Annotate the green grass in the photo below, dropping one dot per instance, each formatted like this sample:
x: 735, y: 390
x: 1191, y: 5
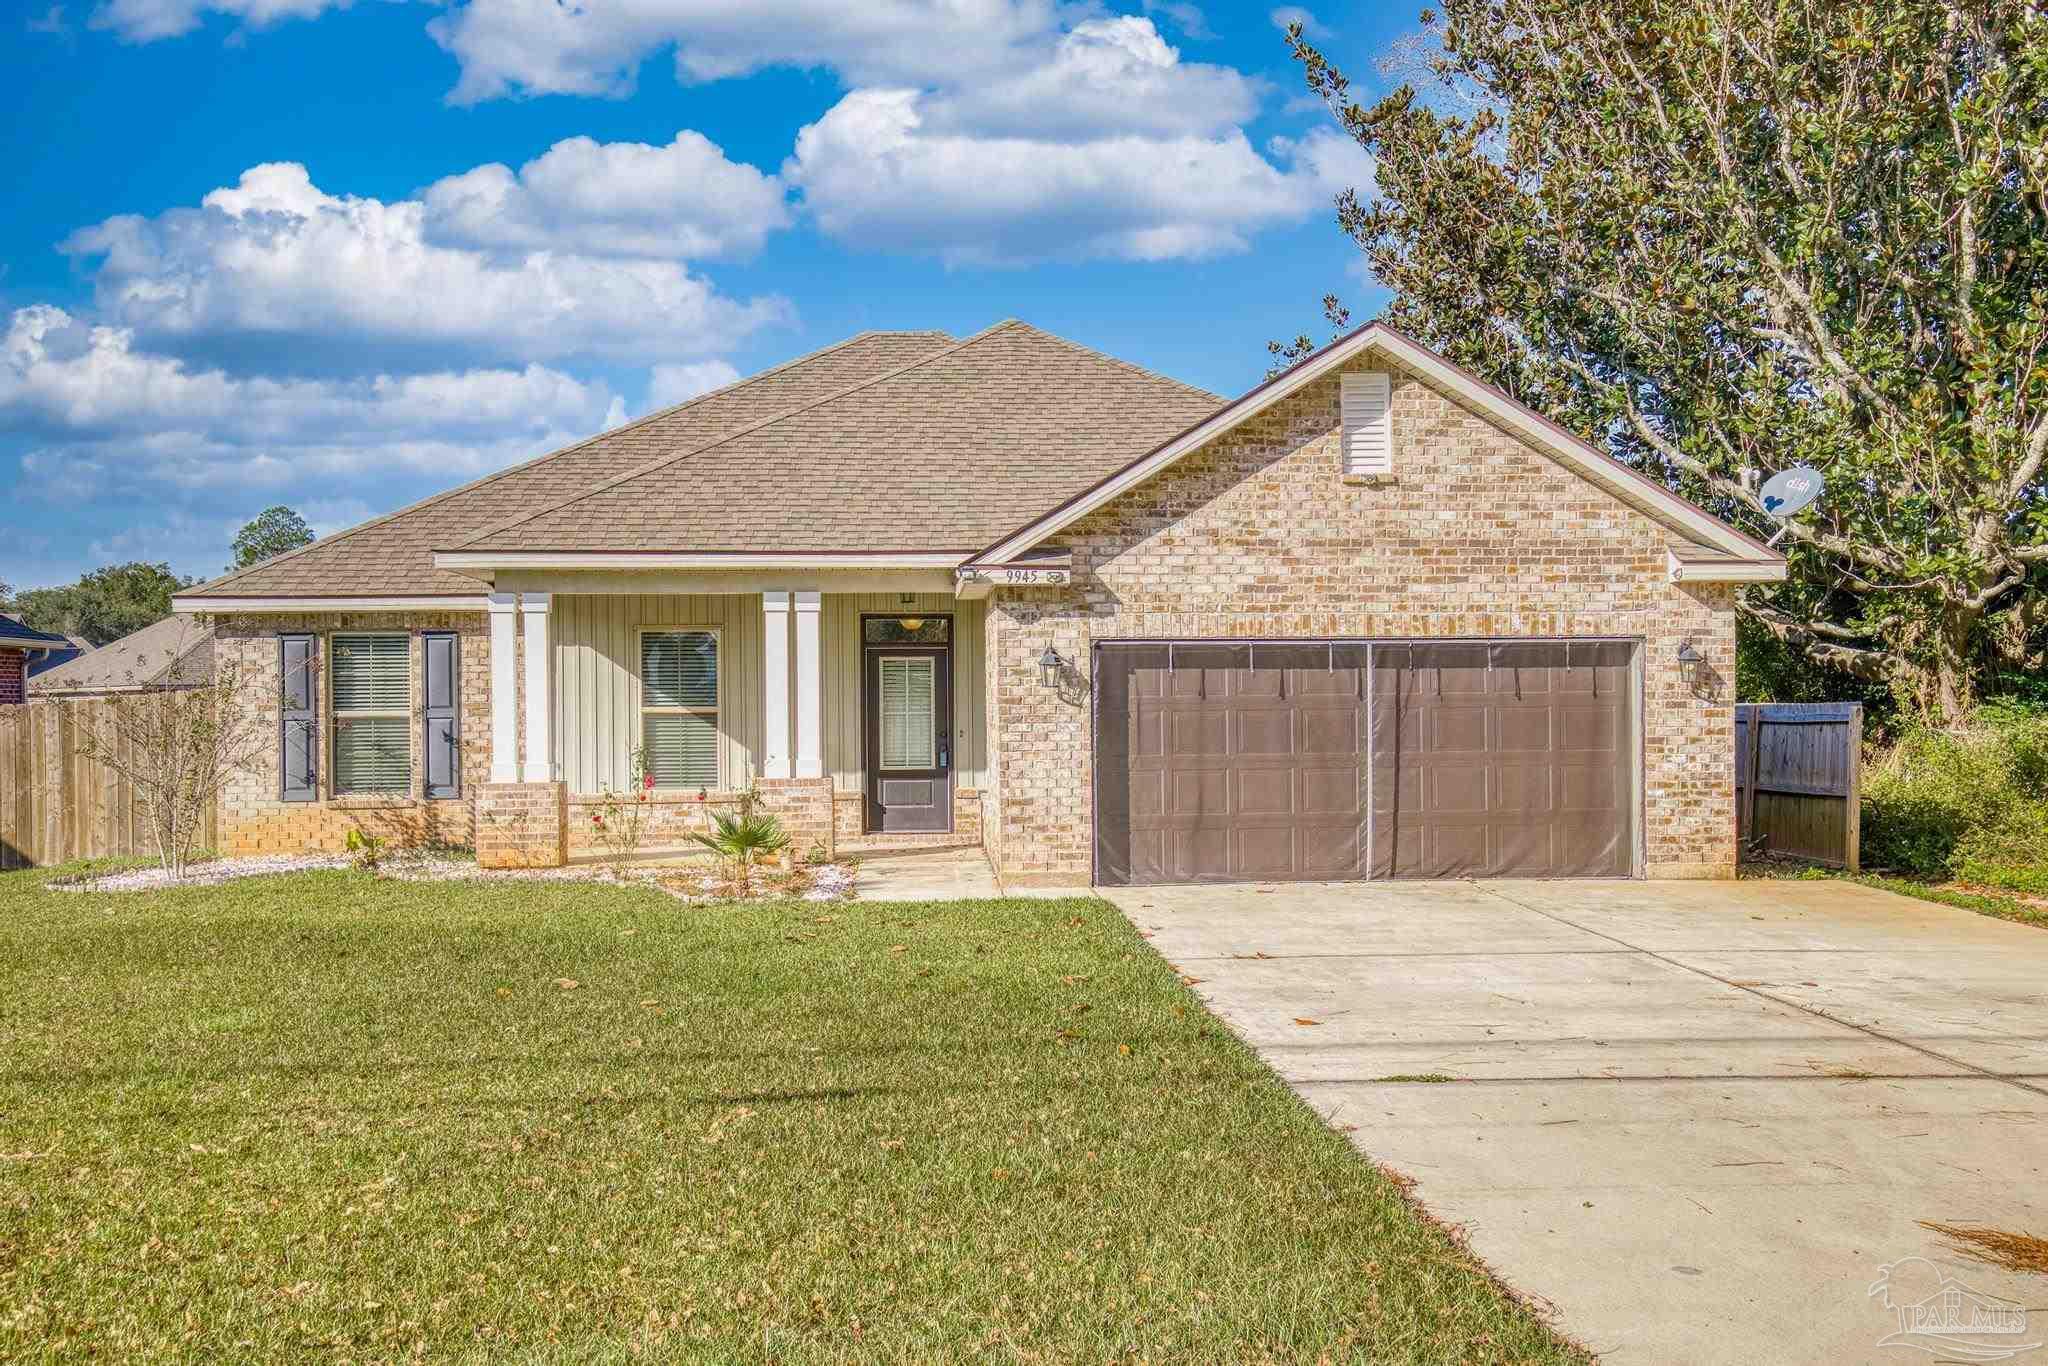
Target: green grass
x: 340, y: 1117
x: 1983, y: 900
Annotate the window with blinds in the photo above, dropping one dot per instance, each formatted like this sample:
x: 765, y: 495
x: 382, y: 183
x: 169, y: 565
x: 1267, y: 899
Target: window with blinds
x: 370, y: 696
x: 679, y: 707
x: 908, y: 704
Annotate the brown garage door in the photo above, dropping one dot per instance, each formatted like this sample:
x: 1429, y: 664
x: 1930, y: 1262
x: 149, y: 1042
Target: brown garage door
x: 1505, y: 759
x: 1224, y: 762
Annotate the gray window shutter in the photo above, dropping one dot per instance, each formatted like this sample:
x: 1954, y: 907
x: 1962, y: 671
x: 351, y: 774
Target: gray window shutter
x: 298, y: 743
x: 442, y: 742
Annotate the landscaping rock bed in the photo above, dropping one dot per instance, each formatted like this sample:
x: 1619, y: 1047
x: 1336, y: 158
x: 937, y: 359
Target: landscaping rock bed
x: 689, y: 882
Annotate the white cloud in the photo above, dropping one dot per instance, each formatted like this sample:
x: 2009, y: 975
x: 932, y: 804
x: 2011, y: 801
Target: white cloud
x: 876, y: 175
x: 548, y: 47
x: 1295, y: 14
x: 103, y: 413
x: 681, y: 201
x: 143, y: 21
x: 276, y: 257
x: 668, y: 385
x: 1105, y: 76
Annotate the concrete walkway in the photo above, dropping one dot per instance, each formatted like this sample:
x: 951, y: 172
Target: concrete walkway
x: 1698, y: 1119
x: 939, y: 875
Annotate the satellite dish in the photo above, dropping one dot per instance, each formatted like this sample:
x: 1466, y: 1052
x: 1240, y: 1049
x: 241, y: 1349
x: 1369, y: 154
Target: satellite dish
x: 1787, y: 491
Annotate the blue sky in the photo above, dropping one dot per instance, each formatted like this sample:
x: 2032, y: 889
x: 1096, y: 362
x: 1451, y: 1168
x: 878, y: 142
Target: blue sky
x: 342, y: 255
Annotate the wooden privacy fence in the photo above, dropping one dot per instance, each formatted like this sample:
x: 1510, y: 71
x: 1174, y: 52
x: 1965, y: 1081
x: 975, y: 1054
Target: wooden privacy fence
x: 1799, y: 779
x: 57, y: 805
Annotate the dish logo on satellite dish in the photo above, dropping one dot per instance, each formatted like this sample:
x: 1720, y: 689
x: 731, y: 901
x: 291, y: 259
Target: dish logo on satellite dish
x: 1790, y: 490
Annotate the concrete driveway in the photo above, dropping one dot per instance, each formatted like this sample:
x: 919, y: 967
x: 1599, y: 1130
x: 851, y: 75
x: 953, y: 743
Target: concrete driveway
x: 1697, y: 1119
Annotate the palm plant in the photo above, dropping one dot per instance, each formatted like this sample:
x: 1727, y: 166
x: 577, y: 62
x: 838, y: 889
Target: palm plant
x: 743, y: 837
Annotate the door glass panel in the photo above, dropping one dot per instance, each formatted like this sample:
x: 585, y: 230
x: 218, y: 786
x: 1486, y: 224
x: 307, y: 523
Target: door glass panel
x: 910, y: 629
x: 907, y: 706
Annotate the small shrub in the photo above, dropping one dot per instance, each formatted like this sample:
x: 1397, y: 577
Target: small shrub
x: 1967, y: 804
x: 364, y: 849
x: 621, y: 817
x: 740, y: 838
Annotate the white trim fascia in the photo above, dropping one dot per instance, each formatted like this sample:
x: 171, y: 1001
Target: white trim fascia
x: 777, y: 755
x: 461, y: 560
x: 1723, y: 571
x: 449, y: 603
x: 1516, y: 417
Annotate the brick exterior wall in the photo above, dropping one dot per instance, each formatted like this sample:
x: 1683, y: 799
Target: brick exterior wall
x: 1258, y: 535
x: 803, y: 805
x: 254, y: 819
x: 13, y: 676
x: 522, y: 825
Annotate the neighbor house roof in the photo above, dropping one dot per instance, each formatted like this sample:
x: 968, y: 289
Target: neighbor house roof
x: 14, y: 633
x: 176, y: 651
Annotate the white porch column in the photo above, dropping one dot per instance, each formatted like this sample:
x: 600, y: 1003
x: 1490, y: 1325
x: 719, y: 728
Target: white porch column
x: 540, y: 702
x: 810, y: 695
x: 775, y: 747
x: 504, y: 689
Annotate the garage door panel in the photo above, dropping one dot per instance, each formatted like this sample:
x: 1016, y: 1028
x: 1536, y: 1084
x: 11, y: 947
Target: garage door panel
x: 1200, y: 791
x: 1525, y: 790
x: 1264, y: 731
x: 1456, y: 729
x: 1326, y: 730
x: 1265, y: 792
x: 1203, y: 731
x: 1327, y: 792
x: 1454, y: 789
x: 1591, y: 728
x: 1200, y: 855
x: 1268, y: 852
x: 1523, y: 727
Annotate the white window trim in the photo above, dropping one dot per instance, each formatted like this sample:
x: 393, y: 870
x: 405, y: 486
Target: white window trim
x: 334, y: 716
x: 638, y: 739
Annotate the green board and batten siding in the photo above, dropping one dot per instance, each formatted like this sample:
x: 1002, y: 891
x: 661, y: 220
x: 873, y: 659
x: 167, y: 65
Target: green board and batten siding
x: 597, y: 679
x: 597, y: 655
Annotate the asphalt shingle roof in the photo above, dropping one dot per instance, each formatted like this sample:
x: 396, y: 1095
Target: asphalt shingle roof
x: 946, y: 453
x: 890, y: 441
x: 14, y: 632
x: 175, y: 650
x: 393, y: 555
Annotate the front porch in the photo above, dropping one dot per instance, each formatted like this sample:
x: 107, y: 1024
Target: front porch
x: 857, y: 717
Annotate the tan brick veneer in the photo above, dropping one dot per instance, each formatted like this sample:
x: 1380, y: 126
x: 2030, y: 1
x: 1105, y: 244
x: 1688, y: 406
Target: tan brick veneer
x: 252, y: 817
x: 1257, y: 535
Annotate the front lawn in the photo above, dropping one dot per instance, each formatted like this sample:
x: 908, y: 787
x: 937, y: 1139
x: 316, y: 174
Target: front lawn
x: 330, y: 1115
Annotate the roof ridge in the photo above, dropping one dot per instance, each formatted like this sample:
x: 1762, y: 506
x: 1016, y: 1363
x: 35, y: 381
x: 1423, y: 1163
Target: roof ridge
x: 477, y: 483
x: 1117, y: 361
x: 673, y: 457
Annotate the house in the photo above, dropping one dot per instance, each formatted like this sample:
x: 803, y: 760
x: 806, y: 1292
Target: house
x: 176, y: 652
x: 22, y: 648
x: 1372, y: 618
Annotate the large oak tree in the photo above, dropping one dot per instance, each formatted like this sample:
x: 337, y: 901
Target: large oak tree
x: 1725, y: 237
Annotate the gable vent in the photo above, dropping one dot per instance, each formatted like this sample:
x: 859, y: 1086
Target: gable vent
x: 1368, y: 424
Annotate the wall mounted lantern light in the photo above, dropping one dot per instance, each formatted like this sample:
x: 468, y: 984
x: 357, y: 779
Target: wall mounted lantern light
x: 1051, y: 667
x: 1689, y: 662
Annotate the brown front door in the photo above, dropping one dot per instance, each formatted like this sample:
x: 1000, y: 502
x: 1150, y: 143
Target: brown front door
x: 909, y: 751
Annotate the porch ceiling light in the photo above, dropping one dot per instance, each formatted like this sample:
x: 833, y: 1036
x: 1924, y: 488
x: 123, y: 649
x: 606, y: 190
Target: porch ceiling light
x: 1050, y: 666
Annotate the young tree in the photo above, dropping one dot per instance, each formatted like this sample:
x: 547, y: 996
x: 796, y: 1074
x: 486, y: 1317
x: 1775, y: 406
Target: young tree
x: 104, y: 605
x: 1726, y: 237
x: 178, y: 746
x: 269, y: 533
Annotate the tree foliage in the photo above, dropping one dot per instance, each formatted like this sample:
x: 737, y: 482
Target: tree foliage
x: 105, y: 604
x: 1725, y: 237
x: 268, y: 534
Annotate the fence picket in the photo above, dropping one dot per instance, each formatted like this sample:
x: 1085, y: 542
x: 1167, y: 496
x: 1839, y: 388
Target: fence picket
x: 55, y: 803
x: 1799, y: 781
